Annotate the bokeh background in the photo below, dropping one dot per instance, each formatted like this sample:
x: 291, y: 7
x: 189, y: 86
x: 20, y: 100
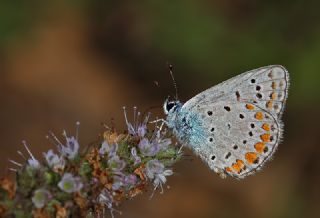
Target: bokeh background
x: 63, y: 61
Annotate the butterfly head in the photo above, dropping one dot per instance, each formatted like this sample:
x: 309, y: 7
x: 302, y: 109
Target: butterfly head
x: 171, y: 106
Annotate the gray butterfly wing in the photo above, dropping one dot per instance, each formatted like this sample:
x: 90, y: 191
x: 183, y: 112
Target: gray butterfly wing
x: 240, y: 120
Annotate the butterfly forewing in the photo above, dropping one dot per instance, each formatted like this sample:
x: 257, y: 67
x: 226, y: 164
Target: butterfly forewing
x: 240, y: 119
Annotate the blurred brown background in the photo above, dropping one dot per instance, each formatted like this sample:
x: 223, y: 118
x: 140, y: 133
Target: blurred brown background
x: 63, y: 61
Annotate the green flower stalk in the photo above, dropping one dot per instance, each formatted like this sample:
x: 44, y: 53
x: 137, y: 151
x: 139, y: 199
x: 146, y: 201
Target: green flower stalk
x: 94, y: 182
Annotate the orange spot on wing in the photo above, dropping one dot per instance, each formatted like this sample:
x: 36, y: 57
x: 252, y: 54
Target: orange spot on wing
x: 249, y: 106
x: 274, y: 85
x: 266, y: 127
x: 265, y: 137
x: 273, y: 96
x: 269, y: 104
x: 259, y: 147
x: 228, y: 169
x: 259, y: 115
x: 251, y: 157
x: 238, y: 166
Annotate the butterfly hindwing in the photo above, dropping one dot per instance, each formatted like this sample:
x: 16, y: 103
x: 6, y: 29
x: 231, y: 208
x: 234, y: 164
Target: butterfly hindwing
x: 238, y: 140
x: 240, y: 120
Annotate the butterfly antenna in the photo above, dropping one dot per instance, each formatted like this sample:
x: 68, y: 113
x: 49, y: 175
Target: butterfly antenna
x: 173, y: 80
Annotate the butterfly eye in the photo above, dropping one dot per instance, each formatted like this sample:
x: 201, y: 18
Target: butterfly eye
x: 170, y: 105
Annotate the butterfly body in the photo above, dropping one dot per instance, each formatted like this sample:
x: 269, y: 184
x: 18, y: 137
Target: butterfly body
x: 235, y: 126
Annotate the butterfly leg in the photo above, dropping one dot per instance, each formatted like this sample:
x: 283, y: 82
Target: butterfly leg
x: 180, y: 149
x: 159, y: 120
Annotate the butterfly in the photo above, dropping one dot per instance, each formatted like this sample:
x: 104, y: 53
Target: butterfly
x: 235, y: 126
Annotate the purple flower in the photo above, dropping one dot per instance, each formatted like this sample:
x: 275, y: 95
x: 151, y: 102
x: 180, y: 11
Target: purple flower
x: 122, y: 180
x: 164, y: 143
x: 137, y: 128
x: 154, y: 167
x: 116, y: 164
x: 54, y: 160
x: 70, y: 183
x: 151, y: 148
x: 148, y: 148
x: 161, y: 179
x: 40, y: 197
x: 105, y: 198
x: 135, y: 156
x: 156, y: 171
x: 118, y: 181
x: 142, y: 128
x: 32, y: 161
x: 110, y: 149
x: 130, y: 180
x: 71, y: 149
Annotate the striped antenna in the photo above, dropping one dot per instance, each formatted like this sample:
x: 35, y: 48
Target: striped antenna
x: 173, y: 80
